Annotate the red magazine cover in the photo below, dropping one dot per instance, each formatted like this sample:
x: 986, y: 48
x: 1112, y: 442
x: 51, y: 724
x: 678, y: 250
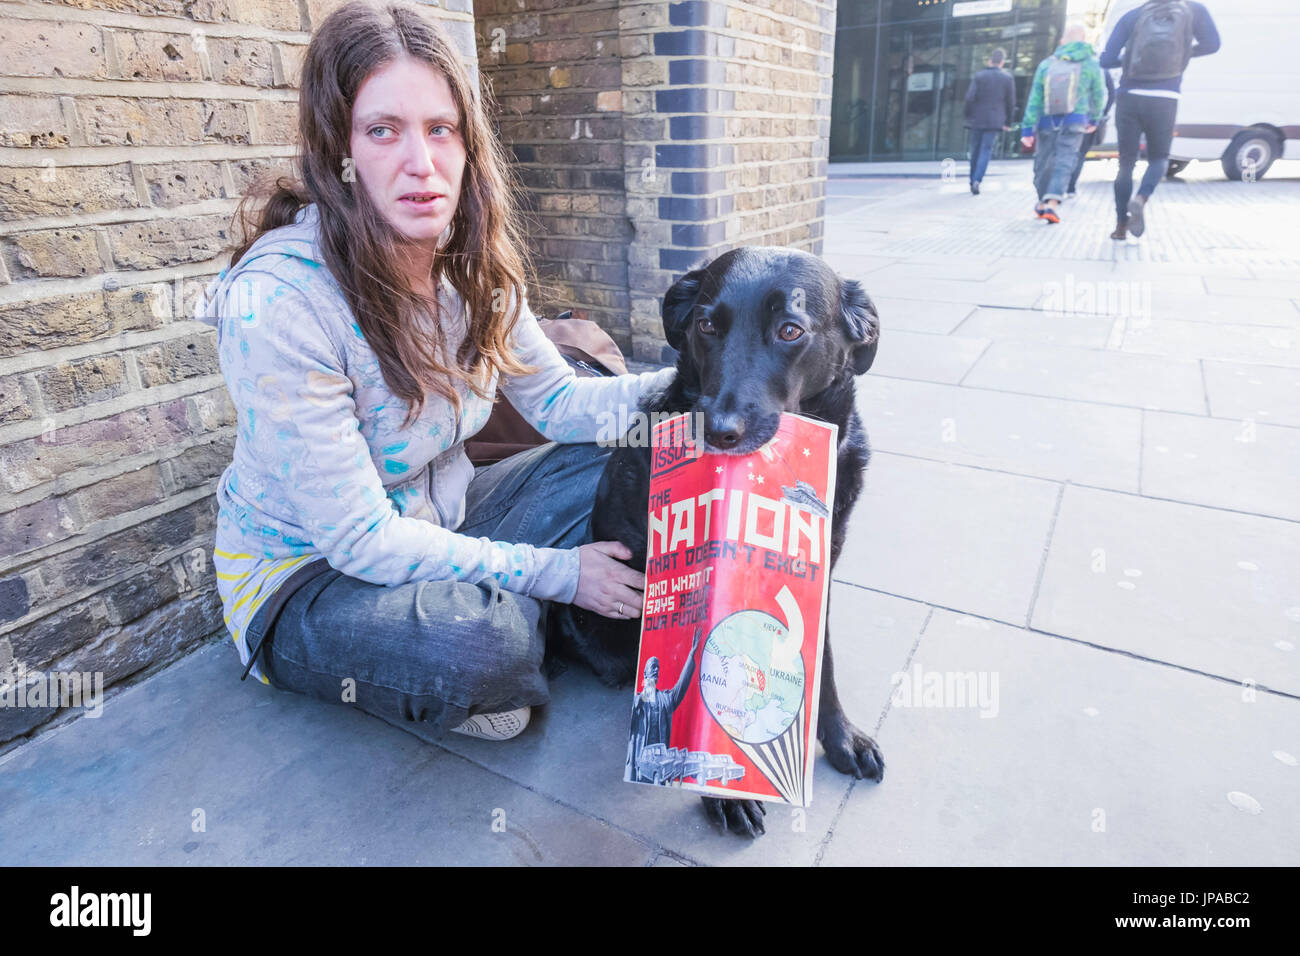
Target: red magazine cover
x: 735, y: 610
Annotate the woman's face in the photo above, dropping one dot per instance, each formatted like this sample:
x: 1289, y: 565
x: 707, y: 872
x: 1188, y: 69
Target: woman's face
x: 407, y: 145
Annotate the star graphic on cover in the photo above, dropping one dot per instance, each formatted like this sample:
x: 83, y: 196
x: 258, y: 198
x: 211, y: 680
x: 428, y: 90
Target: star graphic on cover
x: 760, y: 479
x: 718, y: 469
x: 751, y: 476
x: 806, y: 453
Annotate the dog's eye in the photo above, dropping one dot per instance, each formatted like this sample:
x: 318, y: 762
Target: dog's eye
x: 789, y: 332
x: 705, y: 325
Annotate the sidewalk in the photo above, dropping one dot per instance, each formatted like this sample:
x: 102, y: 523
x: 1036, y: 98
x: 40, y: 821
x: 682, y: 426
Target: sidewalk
x: 1082, y: 495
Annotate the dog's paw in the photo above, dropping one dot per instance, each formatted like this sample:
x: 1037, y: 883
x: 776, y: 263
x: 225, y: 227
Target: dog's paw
x: 736, y: 816
x: 852, y: 752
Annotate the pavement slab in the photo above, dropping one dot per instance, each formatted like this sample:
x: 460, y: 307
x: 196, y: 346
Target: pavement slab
x: 1213, y: 591
x: 1025, y: 435
x: 1240, y: 466
x: 917, y: 315
x: 950, y: 535
x: 1108, y: 377
x: 1253, y: 392
x: 1063, y: 769
x: 930, y: 358
x: 1045, y: 328
x: 1176, y: 338
x: 278, y: 779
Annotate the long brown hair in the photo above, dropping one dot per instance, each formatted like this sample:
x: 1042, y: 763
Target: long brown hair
x: 485, y: 257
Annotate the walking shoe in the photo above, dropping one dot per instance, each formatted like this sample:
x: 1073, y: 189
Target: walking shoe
x: 499, y: 726
x: 975, y: 189
x: 1136, y: 224
x: 1121, y: 231
x: 1050, y: 214
x: 1070, y: 195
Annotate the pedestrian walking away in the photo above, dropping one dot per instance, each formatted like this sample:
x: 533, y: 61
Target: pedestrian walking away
x: 1066, y: 100
x: 1153, y: 44
x: 989, y: 109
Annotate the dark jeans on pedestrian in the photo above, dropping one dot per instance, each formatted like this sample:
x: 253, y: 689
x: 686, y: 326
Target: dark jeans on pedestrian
x: 425, y: 655
x: 1136, y: 114
x: 1056, y: 151
x: 982, y: 142
x: 1084, y: 146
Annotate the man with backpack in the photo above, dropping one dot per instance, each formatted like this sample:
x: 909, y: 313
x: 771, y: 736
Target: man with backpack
x: 990, y: 105
x: 1065, y: 102
x: 1153, y: 43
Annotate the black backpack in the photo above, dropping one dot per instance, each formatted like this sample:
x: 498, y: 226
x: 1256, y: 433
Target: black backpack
x: 1161, y: 44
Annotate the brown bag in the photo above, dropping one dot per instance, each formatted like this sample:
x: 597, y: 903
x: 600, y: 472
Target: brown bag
x: 586, y: 347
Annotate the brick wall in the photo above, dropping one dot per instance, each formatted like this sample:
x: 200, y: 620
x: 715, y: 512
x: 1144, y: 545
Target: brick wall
x: 556, y: 74
x: 719, y: 110
x: 128, y: 131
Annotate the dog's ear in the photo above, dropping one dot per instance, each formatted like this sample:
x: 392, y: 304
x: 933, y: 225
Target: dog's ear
x: 861, y: 321
x: 678, y: 304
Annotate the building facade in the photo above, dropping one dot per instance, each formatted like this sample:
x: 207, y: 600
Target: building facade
x: 902, y: 68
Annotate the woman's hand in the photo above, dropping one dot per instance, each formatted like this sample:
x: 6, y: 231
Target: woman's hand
x: 607, y: 586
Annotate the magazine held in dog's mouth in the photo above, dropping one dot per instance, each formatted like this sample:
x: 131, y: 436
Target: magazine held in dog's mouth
x: 737, y: 583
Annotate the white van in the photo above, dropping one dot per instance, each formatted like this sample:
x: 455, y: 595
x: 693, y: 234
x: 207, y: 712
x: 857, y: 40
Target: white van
x: 1240, y: 105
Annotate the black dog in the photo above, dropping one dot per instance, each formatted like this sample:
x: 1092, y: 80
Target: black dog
x: 759, y: 331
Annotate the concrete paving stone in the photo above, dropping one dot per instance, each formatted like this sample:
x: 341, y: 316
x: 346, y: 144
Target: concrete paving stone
x: 1195, y: 340
x: 916, y: 315
x: 1218, y: 309
x: 1124, y: 269
x: 854, y: 266
x: 1053, y: 270
x: 1270, y: 288
x: 1092, y: 759
x: 1029, y: 325
x: 1243, y: 466
x: 940, y: 267
x: 280, y: 779
x: 1088, y: 375
x: 1012, y: 292
x: 1259, y: 392
x: 1214, y: 591
x: 1027, y: 435
x: 949, y: 535
x: 931, y: 358
x: 575, y: 749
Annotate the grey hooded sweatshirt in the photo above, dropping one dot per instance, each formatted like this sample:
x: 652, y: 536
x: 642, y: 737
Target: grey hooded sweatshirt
x: 322, y: 466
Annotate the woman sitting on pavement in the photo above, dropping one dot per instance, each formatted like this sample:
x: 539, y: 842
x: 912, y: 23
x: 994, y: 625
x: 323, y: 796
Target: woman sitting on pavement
x: 364, y: 331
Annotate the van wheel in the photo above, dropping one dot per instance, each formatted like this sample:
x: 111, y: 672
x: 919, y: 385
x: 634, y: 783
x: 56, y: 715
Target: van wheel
x: 1176, y: 166
x: 1251, y: 150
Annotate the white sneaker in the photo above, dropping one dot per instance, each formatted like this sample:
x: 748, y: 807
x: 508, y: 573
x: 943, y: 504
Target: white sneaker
x: 501, y: 726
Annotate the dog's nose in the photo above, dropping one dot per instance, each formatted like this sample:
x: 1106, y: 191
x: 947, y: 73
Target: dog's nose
x: 724, y: 430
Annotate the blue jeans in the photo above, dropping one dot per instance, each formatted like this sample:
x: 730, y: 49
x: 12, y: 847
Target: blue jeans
x: 425, y: 655
x: 981, y: 148
x: 1056, y: 152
